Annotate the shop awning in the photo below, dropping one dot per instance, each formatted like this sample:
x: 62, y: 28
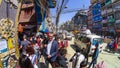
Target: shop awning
x: 97, y: 27
x: 117, y: 22
x: 104, y: 21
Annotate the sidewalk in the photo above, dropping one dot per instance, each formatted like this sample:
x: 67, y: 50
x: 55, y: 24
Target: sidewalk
x: 70, y: 52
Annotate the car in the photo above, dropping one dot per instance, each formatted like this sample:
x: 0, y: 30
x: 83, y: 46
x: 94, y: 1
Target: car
x: 82, y: 41
x: 68, y: 36
x: 94, y: 39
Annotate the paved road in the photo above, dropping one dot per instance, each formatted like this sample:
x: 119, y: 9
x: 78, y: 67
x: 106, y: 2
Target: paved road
x: 111, y: 60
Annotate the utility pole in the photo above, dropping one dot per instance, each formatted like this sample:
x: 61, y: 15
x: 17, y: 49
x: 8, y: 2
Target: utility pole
x: 58, y: 15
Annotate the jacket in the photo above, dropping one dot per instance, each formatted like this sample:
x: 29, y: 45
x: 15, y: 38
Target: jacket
x: 53, y: 51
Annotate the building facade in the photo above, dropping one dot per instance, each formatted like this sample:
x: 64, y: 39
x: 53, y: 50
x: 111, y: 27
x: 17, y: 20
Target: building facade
x: 90, y: 23
x: 80, y: 19
x: 107, y: 16
x: 33, y: 16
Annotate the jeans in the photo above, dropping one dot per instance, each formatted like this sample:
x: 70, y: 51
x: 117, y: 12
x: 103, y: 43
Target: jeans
x: 94, y: 61
x: 47, y: 61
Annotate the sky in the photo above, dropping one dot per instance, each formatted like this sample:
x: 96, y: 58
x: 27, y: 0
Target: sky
x: 72, y: 4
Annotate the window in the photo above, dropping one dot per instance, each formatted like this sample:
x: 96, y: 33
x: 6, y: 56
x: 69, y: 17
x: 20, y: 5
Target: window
x: 103, y: 4
x: 105, y: 24
x: 110, y: 16
x: 108, y: 1
x: 117, y: 15
x: 95, y: 40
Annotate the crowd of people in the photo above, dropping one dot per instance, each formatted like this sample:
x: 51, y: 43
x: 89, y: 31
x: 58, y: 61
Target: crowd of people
x: 48, y: 45
x: 54, y: 50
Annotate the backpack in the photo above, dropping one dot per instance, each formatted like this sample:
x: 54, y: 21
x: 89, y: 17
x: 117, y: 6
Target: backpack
x: 100, y: 65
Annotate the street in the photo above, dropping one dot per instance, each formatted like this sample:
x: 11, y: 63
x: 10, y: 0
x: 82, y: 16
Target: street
x: 111, y: 60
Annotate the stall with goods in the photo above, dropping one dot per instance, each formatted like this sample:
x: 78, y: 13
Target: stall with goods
x: 9, y: 52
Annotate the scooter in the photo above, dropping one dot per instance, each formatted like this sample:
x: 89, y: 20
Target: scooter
x: 110, y: 47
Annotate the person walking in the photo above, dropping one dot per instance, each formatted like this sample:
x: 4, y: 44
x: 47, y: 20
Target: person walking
x: 24, y: 62
x: 77, y: 59
x: 95, y: 56
x: 24, y: 45
x: 32, y: 56
x: 51, y: 51
x: 88, y: 48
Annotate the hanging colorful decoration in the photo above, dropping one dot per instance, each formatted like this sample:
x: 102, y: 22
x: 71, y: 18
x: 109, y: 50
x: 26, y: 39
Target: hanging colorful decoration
x: 7, y: 29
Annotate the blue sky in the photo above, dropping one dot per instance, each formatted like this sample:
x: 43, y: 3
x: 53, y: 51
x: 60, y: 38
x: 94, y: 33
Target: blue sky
x: 72, y: 4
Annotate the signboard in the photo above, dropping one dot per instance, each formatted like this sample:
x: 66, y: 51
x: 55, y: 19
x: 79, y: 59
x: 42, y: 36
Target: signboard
x: 3, y: 46
x: 96, y: 12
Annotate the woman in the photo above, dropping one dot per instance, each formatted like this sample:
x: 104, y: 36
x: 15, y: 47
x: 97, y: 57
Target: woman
x: 32, y: 56
x: 25, y: 62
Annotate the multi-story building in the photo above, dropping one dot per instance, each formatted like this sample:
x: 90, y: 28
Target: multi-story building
x: 27, y: 17
x: 80, y: 19
x: 116, y: 7
x: 109, y: 10
x: 90, y: 23
x: 32, y: 15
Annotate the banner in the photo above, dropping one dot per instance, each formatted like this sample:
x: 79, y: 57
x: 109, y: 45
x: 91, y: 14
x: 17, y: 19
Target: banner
x: 43, y: 27
x: 40, y: 11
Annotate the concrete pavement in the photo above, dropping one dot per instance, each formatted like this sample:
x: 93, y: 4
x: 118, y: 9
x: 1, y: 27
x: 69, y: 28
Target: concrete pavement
x: 111, y: 60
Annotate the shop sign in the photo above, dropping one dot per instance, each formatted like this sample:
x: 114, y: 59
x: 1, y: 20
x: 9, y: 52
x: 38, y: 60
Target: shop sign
x: 3, y: 46
x: 111, y: 20
x: 108, y: 2
x: 117, y: 22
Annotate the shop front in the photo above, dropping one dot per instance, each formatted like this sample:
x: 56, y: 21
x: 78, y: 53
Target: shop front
x: 97, y: 29
x: 117, y: 27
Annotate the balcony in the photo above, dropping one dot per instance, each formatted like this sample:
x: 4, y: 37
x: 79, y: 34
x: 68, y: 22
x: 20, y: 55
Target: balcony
x: 117, y: 22
x: 104, y: 28
x: 110, y: 10
x: 104, y: 12
x: 114, y: 1
x: 108, y: 2
x: 101, y: 1
x: 117, y: 15
x: 104, y: 21
x: 111, y: 20
x: 25, y: 6
x: 116, y: 9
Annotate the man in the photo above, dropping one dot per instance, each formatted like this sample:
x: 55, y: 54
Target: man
x: 95, y: 56
x: 51, y: 50
x: 88, y: 49
x: 77, y: 59
x: 24, y: 44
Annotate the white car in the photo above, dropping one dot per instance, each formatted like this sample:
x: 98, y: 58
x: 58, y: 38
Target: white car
x: 69, y: 36
x: 94, y: 39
